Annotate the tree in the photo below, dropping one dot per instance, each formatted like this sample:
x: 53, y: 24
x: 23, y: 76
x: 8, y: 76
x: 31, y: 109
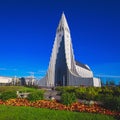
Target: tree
x: 23, y: 81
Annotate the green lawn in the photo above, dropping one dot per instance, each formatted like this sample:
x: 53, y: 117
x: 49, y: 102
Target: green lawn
x: 29, y: 113
x: 16, y: 88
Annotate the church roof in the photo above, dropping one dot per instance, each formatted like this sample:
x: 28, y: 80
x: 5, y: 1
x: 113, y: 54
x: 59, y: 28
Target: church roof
x: 81, y: 65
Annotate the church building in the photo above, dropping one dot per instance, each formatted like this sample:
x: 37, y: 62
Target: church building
x: 63, y: 69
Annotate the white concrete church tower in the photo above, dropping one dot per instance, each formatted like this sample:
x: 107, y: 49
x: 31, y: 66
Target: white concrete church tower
x: 63, y: 70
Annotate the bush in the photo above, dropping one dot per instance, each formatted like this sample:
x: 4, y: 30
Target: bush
x: 87, y: 93
x: 80, y: 92
x: 68, y: 98
x: 8, y: 95
x: 116, y: 91
x: 99, y: 97
x: 64, y: 89
x: 106, y: 91
x: 38, y: 95
x: 112, y: 102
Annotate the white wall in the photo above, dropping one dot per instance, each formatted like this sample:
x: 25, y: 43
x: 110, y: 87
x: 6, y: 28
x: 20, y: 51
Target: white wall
x: 5, y: 79
x: 96, y: 82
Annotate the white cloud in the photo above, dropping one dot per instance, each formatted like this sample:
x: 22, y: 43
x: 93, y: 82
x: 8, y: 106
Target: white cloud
x: 31, y: 73
x: 14, y: 69
x: 109, y: 76
x: 41, y: 72
x: 37, y: 72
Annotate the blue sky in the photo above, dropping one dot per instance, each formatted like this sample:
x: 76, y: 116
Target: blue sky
x: 28, y: 28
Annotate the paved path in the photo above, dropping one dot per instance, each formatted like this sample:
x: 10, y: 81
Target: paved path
x: 51, y: 93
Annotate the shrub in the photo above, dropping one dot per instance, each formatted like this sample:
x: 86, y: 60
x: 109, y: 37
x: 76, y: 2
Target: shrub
x: 68, y: 98
x: 106, y: 91
x: 112, y: 102
x: 116, y: 91
x: 88, y: 93
x: 38, y: 95
x: 64, y: 89
x: 8, y: 95
x: 99, y: 97
x: 80, y: 92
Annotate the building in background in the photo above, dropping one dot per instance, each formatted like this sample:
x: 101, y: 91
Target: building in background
x: 63, y: 69
x: 29, y: 81
x: 15, y: 81
x: 5, y: 80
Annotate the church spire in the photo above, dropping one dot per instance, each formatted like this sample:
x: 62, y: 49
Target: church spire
x: 63, y: 23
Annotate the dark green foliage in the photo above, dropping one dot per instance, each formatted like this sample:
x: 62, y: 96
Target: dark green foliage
x: 91, y: 93
x: 64, y: 89
x: 37, y: 95
x: 112, y: 102
x: 116, y: 91
x: 99, y: 97
x: 88, y: 93
x: 68, y: 98
x: 107, y: 90
x: 108, y: 95
x: 110, y: 83
x: 80, y: 92
x: 8, y: 95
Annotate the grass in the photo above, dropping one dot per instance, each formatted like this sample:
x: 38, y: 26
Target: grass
x: 29, y: 113
x: 16, y: 88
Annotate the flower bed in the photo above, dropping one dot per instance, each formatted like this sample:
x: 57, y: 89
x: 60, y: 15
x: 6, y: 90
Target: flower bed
x: 77, y: 106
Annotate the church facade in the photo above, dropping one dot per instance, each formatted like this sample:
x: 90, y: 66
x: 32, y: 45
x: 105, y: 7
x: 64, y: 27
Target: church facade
x: 63, y: 69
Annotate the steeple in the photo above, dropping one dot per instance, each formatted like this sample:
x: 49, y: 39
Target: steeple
x: 63, y: 23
